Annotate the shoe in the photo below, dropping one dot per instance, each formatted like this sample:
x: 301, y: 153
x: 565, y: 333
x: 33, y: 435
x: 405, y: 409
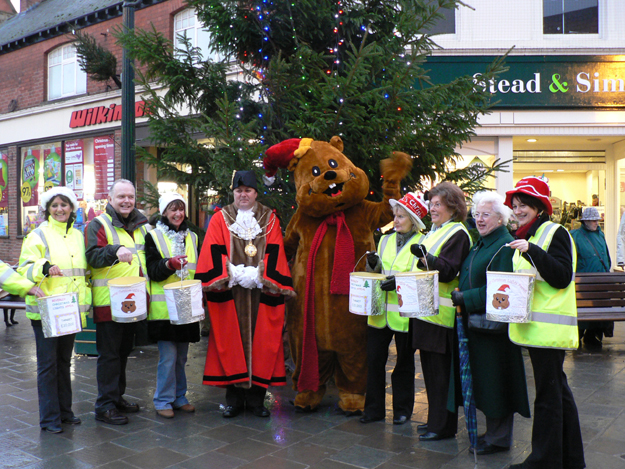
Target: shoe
x: 13, y: 321
x: 400, y: 420
x: 487, y: 448
x: 366, y: 419
x: 73, y: 420
x: 261, y: 411
x: 112, y: 417
x: 422, y: 428
x: 231, y: 411
x: 127, y: 407
x: 186, y: 408
x: 52, y: 429
x: 165, y: 413
x: 431, y: 436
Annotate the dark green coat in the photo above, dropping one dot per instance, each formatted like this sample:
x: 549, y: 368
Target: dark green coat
x: 496, y: 363
x: 589, y: 244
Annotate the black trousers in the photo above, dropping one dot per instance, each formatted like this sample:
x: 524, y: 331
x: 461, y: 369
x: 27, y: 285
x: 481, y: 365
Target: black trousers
x: 402, y: 378
x: 556, y: 435
x: 239, y: 397
x: 436, y: 369
x: 114, y: 342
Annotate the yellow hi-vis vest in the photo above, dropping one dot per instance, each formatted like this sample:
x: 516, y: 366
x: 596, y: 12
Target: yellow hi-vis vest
x: 114, y: 235
x: 434, y: 243
x: 394, y: 262
x: 13, y: 282
x: 53, y: 242
x: 554, y: 310
x: 158, y: 305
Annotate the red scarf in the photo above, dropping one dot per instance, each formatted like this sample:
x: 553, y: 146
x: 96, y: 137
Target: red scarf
x: 523, y: 230
x: 344, y: 262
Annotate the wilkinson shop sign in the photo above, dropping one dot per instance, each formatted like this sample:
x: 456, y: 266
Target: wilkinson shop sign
x: 542, y: 81
x: 102, y: 115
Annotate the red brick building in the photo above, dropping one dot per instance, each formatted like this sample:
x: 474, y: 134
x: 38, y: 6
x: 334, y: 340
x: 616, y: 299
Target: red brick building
x: 57, y: 126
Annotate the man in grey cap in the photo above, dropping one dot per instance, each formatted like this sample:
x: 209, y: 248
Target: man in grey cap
x: 592, y: 256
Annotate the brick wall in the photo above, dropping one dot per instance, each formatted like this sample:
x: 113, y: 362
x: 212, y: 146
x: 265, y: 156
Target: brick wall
x: 23, y: 73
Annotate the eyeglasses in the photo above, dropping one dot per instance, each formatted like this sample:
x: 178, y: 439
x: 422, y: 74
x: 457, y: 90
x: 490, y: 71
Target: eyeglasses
x: 436, y: 205
x: 482, y: 215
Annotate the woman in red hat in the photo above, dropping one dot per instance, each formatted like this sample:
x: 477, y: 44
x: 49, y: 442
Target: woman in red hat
x: 547, y: 249
x: 394, y: 256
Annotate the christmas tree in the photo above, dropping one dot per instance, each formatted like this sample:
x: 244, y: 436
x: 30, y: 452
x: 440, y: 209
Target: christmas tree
x: 309, y: 69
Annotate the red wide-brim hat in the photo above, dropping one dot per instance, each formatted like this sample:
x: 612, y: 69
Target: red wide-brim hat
x: 532, y: 186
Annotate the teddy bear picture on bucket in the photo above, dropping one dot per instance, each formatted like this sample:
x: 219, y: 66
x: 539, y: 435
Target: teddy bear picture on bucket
x: 329, y: 233
x: 501, y: 300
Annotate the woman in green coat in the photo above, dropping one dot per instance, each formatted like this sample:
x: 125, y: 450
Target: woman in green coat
x: 496, y: 363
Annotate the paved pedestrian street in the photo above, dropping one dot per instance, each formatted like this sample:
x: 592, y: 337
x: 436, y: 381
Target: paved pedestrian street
x: 288, y: 440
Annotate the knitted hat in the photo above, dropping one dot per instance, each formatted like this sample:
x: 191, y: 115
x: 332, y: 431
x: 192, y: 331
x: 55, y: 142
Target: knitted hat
x: 536, y: 187
x: 50, y: 194
x: 167, y: 199
x: 416, y: 207
x: 590, y: 214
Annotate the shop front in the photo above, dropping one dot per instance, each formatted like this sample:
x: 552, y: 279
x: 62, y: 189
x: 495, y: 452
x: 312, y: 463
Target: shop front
x: 558, y: 116
x: 76, y: 144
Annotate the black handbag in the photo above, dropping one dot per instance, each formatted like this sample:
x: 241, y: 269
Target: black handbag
x: 478, y: 322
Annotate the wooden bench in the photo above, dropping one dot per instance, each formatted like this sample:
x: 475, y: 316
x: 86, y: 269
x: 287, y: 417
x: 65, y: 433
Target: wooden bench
x: 600, y: 296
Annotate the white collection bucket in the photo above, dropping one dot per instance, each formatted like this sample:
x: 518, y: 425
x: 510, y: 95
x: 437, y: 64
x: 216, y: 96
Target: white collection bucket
x: 417, y: 293
x: 509, y: 296
x: 366, y: 298
x: 60, y: 314
x: 128, y: 299
x: 184, y: 301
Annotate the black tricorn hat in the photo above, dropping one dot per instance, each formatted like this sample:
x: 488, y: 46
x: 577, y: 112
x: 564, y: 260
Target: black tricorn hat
x: 244, y: 178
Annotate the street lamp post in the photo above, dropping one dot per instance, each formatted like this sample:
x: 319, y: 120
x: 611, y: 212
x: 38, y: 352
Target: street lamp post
x: 128, y: 99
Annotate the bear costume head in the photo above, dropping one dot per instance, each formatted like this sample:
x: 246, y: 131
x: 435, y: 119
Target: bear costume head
x: 325, y: 179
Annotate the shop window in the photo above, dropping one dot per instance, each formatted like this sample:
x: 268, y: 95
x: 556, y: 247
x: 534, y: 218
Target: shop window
x: 187, y: 25
x: 4, y: 193
x: 570, y: 16
x: 87, y: 166
x: 65, y: 77
x: 444, y: 25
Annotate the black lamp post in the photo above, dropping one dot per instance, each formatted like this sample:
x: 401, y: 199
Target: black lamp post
x: 128, y: 99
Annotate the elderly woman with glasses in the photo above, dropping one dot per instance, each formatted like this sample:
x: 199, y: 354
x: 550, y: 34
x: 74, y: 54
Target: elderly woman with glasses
x: 444, y: 249
x: 496, y: 363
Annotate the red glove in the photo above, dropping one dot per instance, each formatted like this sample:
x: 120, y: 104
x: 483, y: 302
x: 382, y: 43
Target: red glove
x: 176, y: 263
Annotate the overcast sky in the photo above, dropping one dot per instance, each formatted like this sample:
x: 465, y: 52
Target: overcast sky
x: 16, y: 4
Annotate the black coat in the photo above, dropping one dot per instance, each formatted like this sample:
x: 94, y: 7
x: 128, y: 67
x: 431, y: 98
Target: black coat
x: 158, y: 271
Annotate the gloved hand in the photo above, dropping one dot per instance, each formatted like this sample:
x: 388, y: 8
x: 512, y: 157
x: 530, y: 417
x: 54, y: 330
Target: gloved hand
x: 177, y: 262
x: 457, y: 298
x: 418, y: 250
x: 249, y: 277
x: 374, y: 263
x: 388, y: 284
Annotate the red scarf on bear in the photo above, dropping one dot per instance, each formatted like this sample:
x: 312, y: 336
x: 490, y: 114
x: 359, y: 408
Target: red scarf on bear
x: 344, y: 262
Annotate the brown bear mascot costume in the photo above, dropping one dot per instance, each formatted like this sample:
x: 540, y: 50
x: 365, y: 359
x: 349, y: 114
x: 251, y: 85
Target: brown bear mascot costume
x: 331, y: 230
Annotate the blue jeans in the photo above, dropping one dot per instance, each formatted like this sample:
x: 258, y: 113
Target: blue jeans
x: 171, y: 379
x: 54, y: 384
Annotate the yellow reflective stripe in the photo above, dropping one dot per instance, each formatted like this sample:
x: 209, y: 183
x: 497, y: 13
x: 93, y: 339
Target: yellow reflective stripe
x: 40, y: 233
x: 139, y: 247
x: 114, y: 236
x: 191, y: 266
x: 5, y: 276
x: 157, y: 297
x: 443, y: 239
x: 74, y: 272
x: 548, y: 318
x: 32, y: 309
x: 394, y: 307
x: 442, y: 301
x: 160, y: 239
x: 100, y: 282
x: 29, y: 273
x: 84, y: 308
